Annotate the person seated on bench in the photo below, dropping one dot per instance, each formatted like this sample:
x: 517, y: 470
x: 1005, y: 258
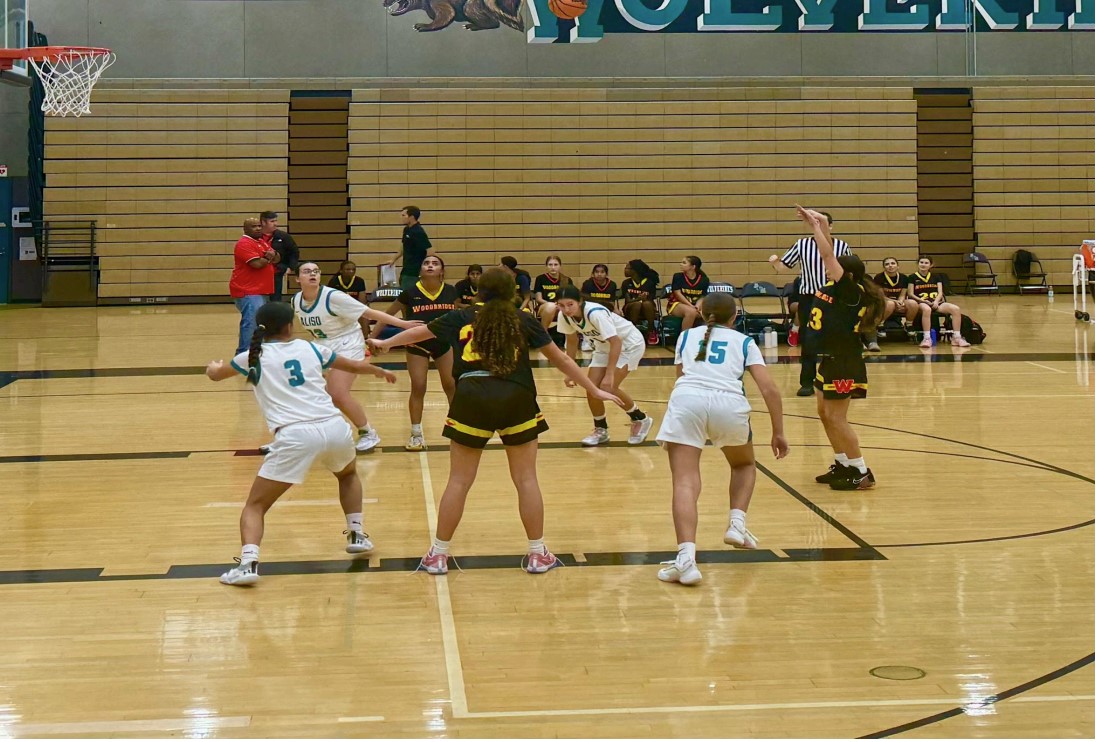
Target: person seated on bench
x: 600, y: 289
x: 639, y: 292
x: 894, y: 285
x: 926, y: 296
x: 689, y: 286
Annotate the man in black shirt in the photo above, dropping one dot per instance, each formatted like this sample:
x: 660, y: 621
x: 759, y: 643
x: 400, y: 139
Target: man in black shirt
x: 280, y: 242
x: 416, y: 248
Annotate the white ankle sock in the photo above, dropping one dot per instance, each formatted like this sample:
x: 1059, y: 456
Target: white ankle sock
x: 367, y: 430
x: 738, y: 518
x: 841, y: 459
x: 441, y: 547
x: 416, y: 429
x: 354, y: 522
x: 536, y: 546
x: 249, y: 553
x: 686, y: 552
x: 859, y: 465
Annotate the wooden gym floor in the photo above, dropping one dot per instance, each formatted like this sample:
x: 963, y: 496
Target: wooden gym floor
x: 971, y: 562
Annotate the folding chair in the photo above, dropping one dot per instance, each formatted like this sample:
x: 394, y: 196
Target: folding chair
x: 1033, y: 279
x: 669, y: 326
x: 979, y: 278
x: 753, y: 323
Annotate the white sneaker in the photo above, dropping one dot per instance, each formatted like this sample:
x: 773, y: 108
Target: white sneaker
x: 358, y: 542
x: 596, y: 438
x: 639, y: 431
x: 367, y: 442
x: 244, y: 573
x: 415, y: 443
x: 686, y: 574
x: 739, y: 538
x: 587, y: 345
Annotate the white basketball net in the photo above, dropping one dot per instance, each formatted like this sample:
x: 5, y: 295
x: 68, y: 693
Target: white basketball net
x: 68, y: 78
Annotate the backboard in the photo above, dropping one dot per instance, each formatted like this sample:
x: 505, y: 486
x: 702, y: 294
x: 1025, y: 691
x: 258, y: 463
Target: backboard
x: 13, y: 35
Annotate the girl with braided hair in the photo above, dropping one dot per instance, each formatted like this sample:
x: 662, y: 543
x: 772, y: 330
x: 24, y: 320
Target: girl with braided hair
x: 709, y: 403
x: 288, y: 379
x: 495, y: 394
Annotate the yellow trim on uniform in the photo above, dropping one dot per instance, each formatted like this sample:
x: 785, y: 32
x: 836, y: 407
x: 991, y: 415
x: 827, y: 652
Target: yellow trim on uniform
x: 427, y: 294
x: 832, y: 388
x: 468, y: 429
x: 522, y: 427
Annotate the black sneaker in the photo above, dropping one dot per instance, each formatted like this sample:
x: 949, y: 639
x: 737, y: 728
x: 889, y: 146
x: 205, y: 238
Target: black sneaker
x: 836, y: 471
x: 805, y: 391
x: 854, y: 480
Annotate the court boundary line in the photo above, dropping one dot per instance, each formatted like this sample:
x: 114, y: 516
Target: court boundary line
x: 8, y: 377
x: 816, y: 509
x: 454, y: 667
x: 987, y: 701
x: 792, y: 705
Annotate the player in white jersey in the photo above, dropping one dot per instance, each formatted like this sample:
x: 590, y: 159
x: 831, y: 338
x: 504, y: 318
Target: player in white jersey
x: 618, y: 349
x: 340, y: 322
x: 709, y: 403
x: 288, y: 377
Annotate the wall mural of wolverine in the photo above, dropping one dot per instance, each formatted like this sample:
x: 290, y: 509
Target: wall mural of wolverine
x: 477, y: 15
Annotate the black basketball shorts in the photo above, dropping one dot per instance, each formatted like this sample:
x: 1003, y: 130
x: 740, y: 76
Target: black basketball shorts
x: 842, y: 377
x: 485, y: 405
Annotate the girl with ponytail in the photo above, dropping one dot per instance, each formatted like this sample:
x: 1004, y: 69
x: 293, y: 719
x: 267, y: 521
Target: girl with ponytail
x: 495, y: 394
x: 709, y: 403
x: 287, y: 377
x: 841, y: 308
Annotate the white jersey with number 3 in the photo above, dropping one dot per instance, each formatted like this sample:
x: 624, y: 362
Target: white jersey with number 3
x: 726, y: 357
x: 291, y: 387
x: 333, y: 314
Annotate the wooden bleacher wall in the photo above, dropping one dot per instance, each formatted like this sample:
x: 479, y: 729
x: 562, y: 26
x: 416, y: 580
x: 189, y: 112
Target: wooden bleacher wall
x: 169, y: 175
x: 593, y: 174
x: 1033, y: 175
x: 607, y: 175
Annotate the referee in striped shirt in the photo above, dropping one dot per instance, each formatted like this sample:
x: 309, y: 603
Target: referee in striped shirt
x: 805, y: 252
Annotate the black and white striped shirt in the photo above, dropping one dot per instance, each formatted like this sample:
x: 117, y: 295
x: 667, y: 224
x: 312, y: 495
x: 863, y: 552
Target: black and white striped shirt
x: 805, y: 251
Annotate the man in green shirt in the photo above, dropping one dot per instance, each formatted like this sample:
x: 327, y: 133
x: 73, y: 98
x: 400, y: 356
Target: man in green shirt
x: 416, y: 248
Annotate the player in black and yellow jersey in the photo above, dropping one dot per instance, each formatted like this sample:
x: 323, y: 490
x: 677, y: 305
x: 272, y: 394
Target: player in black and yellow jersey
x: 495, y: 394
x: 639, y: 293
x: 546, y: 288
x: 850, y: 299
x: 893, y: 283
x: 600, y: 289
x: 468, y: 287
x: 428, y: 299
x: 926, y: 295
x: 689, y: 287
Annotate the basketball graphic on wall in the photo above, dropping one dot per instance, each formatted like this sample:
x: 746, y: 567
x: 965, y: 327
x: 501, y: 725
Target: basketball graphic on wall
x: 567, y: 9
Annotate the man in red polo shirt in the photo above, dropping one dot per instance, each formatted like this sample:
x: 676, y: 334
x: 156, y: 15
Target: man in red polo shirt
x: 252, y: 278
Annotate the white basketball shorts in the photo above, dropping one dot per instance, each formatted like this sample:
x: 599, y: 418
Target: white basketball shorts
x: 297, y: 445
x: 696, y: 416
x: 348, y: 346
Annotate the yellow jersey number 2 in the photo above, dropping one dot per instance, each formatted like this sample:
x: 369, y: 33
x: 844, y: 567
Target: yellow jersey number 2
x: 468, y: 353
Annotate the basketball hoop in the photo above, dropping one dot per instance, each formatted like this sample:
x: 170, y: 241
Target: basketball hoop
x: 68, y: 73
